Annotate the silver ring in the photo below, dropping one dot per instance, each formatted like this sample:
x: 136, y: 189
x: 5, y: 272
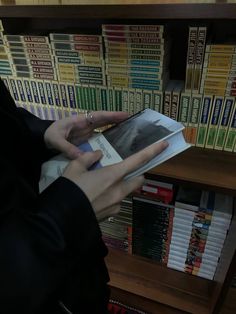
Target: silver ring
x: 89, y: 117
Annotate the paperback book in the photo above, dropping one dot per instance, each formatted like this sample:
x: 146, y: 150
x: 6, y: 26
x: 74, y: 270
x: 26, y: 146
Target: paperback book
x: 125, y: 139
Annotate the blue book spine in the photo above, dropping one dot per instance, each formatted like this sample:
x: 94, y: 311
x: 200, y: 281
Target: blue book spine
x: 42, y: 93
x: 63, y: 95
x: 21, y: 90
x: 28, y: 91
x: 14, y: 89
x: 71, y: 96
x: 35, y: 92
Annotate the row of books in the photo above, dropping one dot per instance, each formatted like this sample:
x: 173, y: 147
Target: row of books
x: 136, y: 56
x: 185, y: 232
x: 71, y: 98
x: 209, y: 121
x: 219, y: 70
x: 210, y: 68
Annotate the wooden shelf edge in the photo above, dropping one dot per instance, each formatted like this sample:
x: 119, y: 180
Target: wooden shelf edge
x: 152, y: 281
x: 113, y: 11
x: 209, y: 168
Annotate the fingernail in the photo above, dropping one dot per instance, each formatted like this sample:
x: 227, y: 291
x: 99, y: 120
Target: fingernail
x: 165, y: 144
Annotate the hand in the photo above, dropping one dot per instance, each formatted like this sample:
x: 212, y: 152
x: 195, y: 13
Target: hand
x: 63, y: 135
x: 106, y: 187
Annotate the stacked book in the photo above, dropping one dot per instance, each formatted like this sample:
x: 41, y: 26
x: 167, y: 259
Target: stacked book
x: 5, y: 60
x: 117, y: 230
x: 31, y: 56
x: 78, y: 58
x: 200, y: 225
x: 219, y: 71
x: 136, y: 56
x: 152, y: 231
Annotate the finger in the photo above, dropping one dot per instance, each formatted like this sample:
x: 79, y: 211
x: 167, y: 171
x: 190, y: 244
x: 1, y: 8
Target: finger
x: 109, y: 175
x: 117, y: 193
x: 108, y: 212
x: 68, y: 149
x: 139, y: 159
x: 102, y: 118
x: 89, y: 158
x: 77, y: 168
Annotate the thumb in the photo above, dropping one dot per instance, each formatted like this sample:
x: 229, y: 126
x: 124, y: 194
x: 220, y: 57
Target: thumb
x: 69, y: 150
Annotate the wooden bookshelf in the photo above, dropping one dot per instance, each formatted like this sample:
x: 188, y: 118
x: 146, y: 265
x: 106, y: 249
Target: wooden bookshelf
x: 210, y: 168
x: 145, y: 283
x: 130, y: 10
x: 155, y: 282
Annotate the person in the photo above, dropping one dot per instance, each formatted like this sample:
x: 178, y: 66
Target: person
x: 51, y: 249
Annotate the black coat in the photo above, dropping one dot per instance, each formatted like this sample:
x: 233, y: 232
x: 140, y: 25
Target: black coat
x: 50, y: 244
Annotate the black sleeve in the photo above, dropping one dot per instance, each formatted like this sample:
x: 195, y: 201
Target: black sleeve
x: 37, y: 128
x: 36, y: 247
x: 32, y: 124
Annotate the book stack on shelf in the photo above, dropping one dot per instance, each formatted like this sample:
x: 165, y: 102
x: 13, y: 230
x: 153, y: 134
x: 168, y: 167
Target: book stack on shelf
x: 117, y: 230
x: 207, y: 108
x: 200, y: 225
x: 152, y: 233
x: 66, y: 74
x: 79, y: 58
x: 185, y: 232
x: 137, y: 56
x: 31, y: 56
x: 219, y: 70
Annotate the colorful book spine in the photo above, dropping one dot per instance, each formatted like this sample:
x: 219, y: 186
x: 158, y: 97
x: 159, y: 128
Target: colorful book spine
x: 231, y: 133
x: 204, y: 120
x: 184, y: 111
x: 192, y: 41
x: 132, y: 28
x: 216, y: 114
x: 224, y: 123
x: 199, y: 58
x: 194, y: 118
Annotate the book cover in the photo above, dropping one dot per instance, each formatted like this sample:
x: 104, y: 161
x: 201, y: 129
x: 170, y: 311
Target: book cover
x: 129, y: 137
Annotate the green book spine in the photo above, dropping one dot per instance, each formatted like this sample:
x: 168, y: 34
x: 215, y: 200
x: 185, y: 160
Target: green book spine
x: 224, y: 123
x: 194, y: 118
x: 104, y: 98
x: 158, y: 101
x: 125, y: 100
x: 118, y: 99
x: 132, y: 101
x: 204, y: 120
x: 214, y: 121
x: 147, y: 99
x: 111, y: 98
x: 139, y: 100
x: 184, y: 111
x: 231, y: 134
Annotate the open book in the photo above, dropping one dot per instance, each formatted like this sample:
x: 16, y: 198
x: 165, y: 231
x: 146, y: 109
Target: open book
x: 124, y: 139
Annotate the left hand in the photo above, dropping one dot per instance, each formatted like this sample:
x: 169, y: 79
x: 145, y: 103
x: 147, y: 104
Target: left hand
x: 63, y: 135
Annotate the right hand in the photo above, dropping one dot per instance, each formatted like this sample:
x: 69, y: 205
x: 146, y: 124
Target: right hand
x: 106, y: 187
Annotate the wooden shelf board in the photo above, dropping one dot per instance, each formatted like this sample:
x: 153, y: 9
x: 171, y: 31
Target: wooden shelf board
x: 124, y: 11
x: 153, y: 281
x: 212, y: 168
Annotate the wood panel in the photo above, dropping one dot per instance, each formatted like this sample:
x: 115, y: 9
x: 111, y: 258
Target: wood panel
x: 141, y: 303
x: 210, y: 168
x: 226, y: 268
x: 124, y: 11
x: 153, y: 281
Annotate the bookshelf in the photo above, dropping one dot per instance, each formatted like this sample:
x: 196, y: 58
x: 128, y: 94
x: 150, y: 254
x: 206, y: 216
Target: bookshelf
x: 145, y: 283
